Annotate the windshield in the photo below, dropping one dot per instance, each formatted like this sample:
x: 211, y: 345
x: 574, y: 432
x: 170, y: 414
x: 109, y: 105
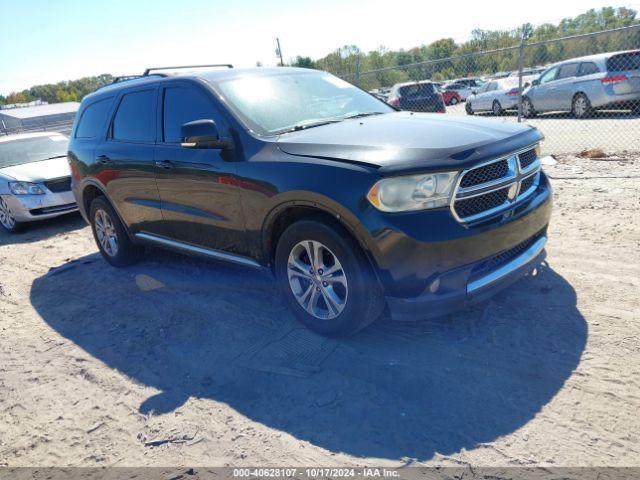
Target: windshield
x: 27, y: 150
x: 282, y: 102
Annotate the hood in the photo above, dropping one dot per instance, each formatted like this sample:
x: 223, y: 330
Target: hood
x: 404, y: 141
x: 38, y: 171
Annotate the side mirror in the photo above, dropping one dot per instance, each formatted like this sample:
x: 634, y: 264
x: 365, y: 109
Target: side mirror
x: 202, y: 134
x: 474, y: 92
x: 535, y: 82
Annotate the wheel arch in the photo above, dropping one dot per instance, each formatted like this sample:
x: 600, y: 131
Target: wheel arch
x: 91, y: 191
x: 287, y: 213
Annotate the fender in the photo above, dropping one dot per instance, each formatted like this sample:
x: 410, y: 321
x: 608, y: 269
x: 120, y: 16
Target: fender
x: 80, y: 201
x: 324, y: 204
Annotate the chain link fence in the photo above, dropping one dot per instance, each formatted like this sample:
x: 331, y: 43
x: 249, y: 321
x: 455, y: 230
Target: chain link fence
x: 63, y: 127
x: 582, y: 92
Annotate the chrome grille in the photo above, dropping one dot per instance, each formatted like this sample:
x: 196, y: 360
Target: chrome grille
x: 495, y: 186
x: 488, y: 173
x: 527, y: 158
x: 475, y: 205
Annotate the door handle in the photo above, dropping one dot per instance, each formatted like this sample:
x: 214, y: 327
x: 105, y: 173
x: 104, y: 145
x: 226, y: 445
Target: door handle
x: 166, y: 164
x: 103, y: 159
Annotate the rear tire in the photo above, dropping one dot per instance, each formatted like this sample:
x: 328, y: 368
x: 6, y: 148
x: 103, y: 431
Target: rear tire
x: 453, y: 101
x: 7, y: 221
x: 110, y: 235
x: 581, y: 106
x: 528, y: 110
x: 496, y: 108
x: 335, y: 292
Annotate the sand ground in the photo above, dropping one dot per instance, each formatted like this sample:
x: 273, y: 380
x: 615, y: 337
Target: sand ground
x: 176, y: 361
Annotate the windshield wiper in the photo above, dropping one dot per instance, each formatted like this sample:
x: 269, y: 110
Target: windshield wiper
x: 363, y: 114
x: 304, y: 126
x: 55, y: 156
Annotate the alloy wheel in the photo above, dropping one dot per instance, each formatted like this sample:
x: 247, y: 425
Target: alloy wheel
x: 6, y: 219
x: 317, y: 279
x: 106, y: 233
x: 580, y: 106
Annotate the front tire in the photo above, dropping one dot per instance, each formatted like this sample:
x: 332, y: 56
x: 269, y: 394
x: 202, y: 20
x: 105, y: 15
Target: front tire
x: 7, y: 221
x: 468, y: 108
x: 110, y: 235
x: 453, y: 101
x: 327, y: 280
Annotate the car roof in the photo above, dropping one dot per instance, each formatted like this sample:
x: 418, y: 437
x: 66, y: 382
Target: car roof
x: 416, y: 82
x: 20, y: 136
x: 210, y: 75
x: 598, y: 57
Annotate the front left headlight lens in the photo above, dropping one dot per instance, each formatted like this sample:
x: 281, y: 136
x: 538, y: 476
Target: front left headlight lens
x: 26, y: 188
x: 412, y: 192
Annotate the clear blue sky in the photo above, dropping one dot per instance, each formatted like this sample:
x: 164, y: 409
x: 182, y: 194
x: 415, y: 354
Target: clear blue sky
x: 47, y: 41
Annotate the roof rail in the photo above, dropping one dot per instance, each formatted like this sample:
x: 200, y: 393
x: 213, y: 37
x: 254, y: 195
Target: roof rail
x: 124, y: 78
x: 148, y: 70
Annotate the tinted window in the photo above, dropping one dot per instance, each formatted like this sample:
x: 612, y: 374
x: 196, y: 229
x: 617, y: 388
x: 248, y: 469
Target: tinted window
x: 182, y: 105
x: 93, y: 119
x: 624, y: 61
x: 135, y: 118
x: 492, y: 86
x: 569, y: 70
x: 588, y: 68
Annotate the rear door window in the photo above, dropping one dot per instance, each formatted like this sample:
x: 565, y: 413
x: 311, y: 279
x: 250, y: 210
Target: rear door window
x: 588, y: 68
x: 426, y: 89
x: 93, y: 119
x: 181, y: 105
x: 624, y: 61
x: 569, y: 70
x: 135, y: 119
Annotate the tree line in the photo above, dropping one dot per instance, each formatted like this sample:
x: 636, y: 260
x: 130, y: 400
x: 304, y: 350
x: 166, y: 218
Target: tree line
x: 353, y: 64
x: 67, y: 91
x: 445, y: 57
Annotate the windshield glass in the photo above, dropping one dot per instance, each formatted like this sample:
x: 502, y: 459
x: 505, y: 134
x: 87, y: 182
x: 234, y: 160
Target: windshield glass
x: 278, y: 103
x: 27, y: 150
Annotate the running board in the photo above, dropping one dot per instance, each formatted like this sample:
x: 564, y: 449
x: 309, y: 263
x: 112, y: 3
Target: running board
x: 174, y: 244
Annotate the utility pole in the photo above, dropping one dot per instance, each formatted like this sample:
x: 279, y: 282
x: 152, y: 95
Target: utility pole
x: 279, y: 52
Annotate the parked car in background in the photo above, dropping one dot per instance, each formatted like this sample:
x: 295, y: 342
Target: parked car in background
x: 496, y: 96
x: 35, y: 179
x: 464, y: 86
x: 421, y: 96
x: 582, y: 85
x: 450, y: 97
x: 354, y: 206
x: 527, y: 72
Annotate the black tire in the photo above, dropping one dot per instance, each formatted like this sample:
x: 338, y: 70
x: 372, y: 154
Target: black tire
x: 468, y: 108
x: 453, y: 101
x: 363, y: 303
x: 126, y: 252
x: 581, y: 106
x: 7, y: 222
x: 528, y: 110
x: 635, y: 110
x: 496, y: 108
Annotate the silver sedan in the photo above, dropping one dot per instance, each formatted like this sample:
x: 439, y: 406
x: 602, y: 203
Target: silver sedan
x: 496, y: 96
x: 35, y: 179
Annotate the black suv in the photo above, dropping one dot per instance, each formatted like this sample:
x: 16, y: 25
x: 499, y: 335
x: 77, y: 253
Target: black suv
x: 353, y: 205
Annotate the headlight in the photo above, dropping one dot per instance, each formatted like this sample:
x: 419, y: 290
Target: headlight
x: 25, y: 188
x: 412, y: 192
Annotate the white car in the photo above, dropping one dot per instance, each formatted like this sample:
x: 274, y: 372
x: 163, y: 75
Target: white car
x: 496, y: 96
x: 35, y: 178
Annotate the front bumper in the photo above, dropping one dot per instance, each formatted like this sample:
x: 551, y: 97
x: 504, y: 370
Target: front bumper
x: 29, y: 208
x: 469, y: 288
